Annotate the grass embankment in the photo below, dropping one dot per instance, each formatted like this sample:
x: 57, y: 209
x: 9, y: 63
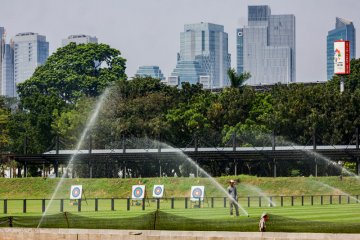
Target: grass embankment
x: 179, y: 187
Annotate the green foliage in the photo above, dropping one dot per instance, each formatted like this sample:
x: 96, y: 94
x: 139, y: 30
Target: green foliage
x: 237, y: 80
x: 4, y: 131
x: 136, y: 108
x: 71, y: 73
x: 69, y: 124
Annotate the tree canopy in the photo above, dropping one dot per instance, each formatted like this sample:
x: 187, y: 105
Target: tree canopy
x: 237, y: 80
x: 72, y: 72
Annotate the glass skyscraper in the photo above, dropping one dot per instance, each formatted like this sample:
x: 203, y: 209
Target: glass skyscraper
x: 2, y: 46
x: 266, y: 47
x: 150, y: 71
x: 8, y: 83
x: 344, y: 30
x: 30, y: 51
x: 203, y: 56
x: 240, y: 50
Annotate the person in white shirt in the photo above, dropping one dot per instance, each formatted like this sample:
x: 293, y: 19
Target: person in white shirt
x: 232, y: 191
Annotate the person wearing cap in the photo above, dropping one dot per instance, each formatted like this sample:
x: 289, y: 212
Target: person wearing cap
x: 232, y: 191
x: 262, y: 223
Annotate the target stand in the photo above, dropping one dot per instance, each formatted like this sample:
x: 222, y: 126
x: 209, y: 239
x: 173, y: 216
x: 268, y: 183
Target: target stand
x: 197, y: 197
x: 159, y: 193
x: 138, y: 195
x: 76, y: 193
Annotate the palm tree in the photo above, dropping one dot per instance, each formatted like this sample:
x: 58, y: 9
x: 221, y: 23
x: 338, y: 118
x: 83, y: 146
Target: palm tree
x: 237, y: 80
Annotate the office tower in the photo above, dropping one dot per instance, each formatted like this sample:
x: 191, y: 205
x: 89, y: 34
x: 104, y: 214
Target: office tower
x: 78, y: 39
x: 344, y: 30
x: 8, y: 83
x: 203, y: 56
x: 150, y: 71
x: 266, y: 47
x: 30, y: 51
x: 2, y: 45
x: 239, y: 50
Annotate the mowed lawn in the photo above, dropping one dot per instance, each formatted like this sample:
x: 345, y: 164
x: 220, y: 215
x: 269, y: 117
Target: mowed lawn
x: 343, y: 218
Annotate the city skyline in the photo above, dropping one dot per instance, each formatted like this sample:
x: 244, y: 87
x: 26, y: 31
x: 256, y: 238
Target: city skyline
x: 147, y: 32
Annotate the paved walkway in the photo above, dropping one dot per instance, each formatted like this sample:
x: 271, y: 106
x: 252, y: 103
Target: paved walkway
x: 90, y: 234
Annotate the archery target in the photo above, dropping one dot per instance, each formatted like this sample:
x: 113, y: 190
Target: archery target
x: 158, y: 191
x: 197, y: 192
x: 76, y: 192
x: 138, y: 191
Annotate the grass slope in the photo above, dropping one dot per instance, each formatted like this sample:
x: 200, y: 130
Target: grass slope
x: 179, y: 187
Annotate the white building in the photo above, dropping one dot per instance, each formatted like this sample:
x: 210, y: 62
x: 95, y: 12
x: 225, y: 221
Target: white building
x: 79, y: 39
x: 30, y: 51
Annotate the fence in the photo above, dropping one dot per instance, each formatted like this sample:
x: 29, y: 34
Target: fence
x: 11, y: 206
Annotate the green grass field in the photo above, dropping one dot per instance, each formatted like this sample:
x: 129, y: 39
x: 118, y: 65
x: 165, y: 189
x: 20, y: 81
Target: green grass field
x: 338, y: 213
x: 326, y: 218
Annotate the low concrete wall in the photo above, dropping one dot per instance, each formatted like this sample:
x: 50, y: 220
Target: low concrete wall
x: 92, y: 234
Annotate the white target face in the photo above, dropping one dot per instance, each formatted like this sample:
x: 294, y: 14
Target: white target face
x: 158, y: 191
x: 138, y: 191
x: 76, y: 192
x: 197, y: 192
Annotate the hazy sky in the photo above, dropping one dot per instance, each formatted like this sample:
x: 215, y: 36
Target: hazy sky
x: 147, y: 32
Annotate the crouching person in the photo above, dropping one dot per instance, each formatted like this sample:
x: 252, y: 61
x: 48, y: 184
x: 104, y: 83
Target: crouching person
x: 262, y: 223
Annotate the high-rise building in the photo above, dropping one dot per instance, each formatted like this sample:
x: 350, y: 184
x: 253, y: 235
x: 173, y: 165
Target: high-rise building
x: 266, y: 47
x: 239, y: 50
x: 8, y: 83
x: 79, y: 39
x: 344, y: 30
x: 30, y: 51
x: 150, y: 71
x: 203, y: 56
x: 2, y: 45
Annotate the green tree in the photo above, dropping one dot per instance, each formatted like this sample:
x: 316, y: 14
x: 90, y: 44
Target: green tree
x: 4, y: 131
x: 237, y: 80
x: 71, y: 73
x: 190, y: 118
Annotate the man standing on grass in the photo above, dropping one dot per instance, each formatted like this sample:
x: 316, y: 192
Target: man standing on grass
x: 232, y: 191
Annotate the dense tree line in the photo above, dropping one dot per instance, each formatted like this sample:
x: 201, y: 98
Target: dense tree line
x: 57, y: 99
